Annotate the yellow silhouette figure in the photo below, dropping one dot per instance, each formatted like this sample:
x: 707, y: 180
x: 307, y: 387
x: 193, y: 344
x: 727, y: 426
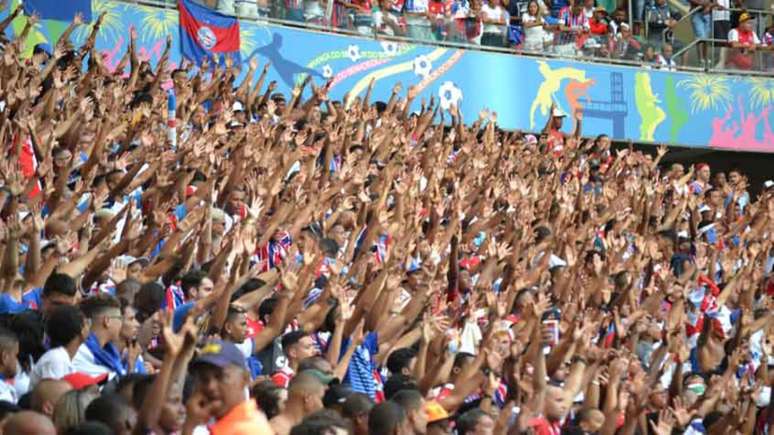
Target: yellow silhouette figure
x: 34, y: 37
x: 647, y: 106
x: 552, y: 81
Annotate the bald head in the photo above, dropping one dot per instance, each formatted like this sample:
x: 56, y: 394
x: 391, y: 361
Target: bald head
x: 29, y: 423
x: 305, y: 383
x: 47, y: 393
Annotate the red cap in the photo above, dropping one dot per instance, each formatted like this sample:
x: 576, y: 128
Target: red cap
x: 190, y: 190
x: 79, y: 380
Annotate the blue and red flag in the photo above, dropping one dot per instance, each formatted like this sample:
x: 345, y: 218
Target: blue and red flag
x: 609, y: 338
x: 58, y: 10
x: 274, y: 252
x: 205, y: 33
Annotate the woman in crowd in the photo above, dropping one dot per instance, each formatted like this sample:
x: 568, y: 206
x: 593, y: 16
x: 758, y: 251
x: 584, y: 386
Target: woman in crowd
x: 532, y: 21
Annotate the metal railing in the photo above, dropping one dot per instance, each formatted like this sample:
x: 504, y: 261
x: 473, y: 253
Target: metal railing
x: 314, y: 15
x: 716, y: 54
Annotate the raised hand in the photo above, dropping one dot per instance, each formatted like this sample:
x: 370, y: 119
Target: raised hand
x: 118, y: 271
x: 666, y: 421
x: 289, y: 280
x: 173, y: 343
x: 680, y: 412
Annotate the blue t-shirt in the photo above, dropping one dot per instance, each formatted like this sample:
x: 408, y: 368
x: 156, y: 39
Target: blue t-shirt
x: 29, y: 301
x: 32, y: 299
x: 360, y: 373
x: 8, y: 305
x: 179, y: 315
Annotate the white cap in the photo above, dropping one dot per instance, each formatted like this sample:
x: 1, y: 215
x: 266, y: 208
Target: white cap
x: 557, y: 113
x: 238, y: 107
x: 768, y: 184
x: 554, y: 261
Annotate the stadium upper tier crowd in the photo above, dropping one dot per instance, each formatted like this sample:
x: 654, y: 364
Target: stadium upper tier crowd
x: 238, y: 261
x: 591, y: 28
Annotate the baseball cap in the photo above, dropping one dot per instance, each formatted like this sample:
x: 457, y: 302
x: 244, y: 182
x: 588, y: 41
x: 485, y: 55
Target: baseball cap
x: 144, y: 261
x: 336, y: 394
x: 221, y: 354
x: 80, y: 380
x: 435, y: 412
x: 129, y: 260
x: 104, y: 213
x: 42, y: 48
x: 323, y: 377
x: 557, y: 113
x: 744, y: 16
x: 768, y: 184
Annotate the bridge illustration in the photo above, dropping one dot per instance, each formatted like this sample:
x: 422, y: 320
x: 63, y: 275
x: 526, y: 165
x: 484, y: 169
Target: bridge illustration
x: 614, y: 110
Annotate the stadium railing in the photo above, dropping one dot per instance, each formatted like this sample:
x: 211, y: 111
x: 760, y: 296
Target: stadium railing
x: 317, y: 15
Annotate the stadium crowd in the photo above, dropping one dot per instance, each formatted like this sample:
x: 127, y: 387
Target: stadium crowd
x: 743, y: 40
x: 183, y: 252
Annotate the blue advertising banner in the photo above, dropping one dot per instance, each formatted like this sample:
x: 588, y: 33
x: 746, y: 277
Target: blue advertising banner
x: 644, y: 105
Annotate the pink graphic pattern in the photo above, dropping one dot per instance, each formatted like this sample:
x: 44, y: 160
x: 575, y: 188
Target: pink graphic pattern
x: 355, y: 69
x: 438, y: 72
x: 112, y: 57
x: 740, y: 132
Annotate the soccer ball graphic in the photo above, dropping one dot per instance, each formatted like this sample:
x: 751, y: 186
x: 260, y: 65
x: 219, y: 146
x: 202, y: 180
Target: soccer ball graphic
x: 353, y: 53
x: 449, y: 94
x: 422, y: 66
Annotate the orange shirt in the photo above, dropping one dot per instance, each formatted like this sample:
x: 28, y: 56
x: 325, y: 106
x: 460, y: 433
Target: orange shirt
x: 243, y: 419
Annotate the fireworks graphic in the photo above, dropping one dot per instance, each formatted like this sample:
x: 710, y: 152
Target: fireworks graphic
x: 247, y: 38
x: 707, y: 91
x: 761, y: 92
x: 157, y: 23
x: 112, y: 26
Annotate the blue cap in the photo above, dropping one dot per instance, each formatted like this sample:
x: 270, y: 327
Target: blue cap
x: 43, y: 47
x: 221, y: 354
